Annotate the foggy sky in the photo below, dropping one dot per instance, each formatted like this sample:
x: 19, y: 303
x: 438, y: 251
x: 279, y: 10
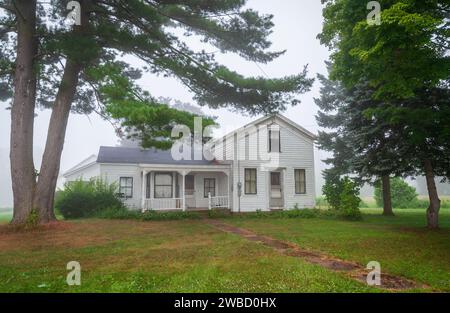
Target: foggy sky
x: 297, y: 23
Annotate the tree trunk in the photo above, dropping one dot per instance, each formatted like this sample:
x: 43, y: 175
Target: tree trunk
x: 387, y: 200
x: 435, y: 202
x: 22, y: 112
x: 48, y: 176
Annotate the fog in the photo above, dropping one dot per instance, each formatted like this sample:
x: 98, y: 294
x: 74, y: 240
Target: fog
x: 297, y: 24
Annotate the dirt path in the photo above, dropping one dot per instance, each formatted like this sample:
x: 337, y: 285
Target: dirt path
x: 351, y: 269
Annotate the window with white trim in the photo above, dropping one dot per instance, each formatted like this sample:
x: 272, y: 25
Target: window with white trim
x: 300, y: 181
x: 274, y: 140
x: 250, y: 181
x: 126, y: 187
x: 163, y: 183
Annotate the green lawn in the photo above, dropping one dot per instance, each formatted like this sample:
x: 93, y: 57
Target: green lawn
x: 190, y: 256
x: 401, y: 244
x: 171, y: 256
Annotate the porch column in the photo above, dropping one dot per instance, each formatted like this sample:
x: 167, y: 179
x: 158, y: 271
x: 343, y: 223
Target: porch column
x: 143, y: 191
x: 228, y: 190
x: 183, y: 175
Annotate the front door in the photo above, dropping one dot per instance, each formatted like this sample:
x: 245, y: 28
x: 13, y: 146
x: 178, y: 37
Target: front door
x: 189, y: 185
x: 276, y: 190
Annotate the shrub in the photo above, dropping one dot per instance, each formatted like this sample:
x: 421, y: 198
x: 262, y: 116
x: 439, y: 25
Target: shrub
x: 163, y: 216
x: 332, y: 190
x: 342, y: 195
x: 349, y: 199
x: 402, y: 195
x: 424, y: 203
x: 87, y: 198
x: 125, y: 214
x: 117, y: 213
x: 218, y: 214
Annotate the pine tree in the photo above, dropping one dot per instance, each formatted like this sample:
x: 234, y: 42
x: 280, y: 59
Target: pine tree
x: 361, y: 145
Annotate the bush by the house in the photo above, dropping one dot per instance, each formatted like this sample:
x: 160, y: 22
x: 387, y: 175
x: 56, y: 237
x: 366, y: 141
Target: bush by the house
x: 349, y: 199
x: 87, y: 198
x: 342, y: 194
x: 332, y: 190
x: 403, y: 195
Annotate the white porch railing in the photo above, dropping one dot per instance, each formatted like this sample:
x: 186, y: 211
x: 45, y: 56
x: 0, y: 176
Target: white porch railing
x: 217, y: 202
x: 164, y: 204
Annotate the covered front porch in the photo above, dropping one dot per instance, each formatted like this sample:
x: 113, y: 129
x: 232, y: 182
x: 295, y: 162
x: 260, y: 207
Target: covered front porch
x: 166, y: 189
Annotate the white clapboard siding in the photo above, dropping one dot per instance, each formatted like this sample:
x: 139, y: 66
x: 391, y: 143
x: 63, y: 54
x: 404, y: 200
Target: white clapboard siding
x: 297, y: 151
x: 111, y: 173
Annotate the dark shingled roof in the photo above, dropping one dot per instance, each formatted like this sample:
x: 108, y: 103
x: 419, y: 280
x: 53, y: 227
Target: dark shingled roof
x: 143, y: 156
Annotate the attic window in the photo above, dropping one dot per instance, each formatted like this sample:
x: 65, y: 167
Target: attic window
x: 274, y: 140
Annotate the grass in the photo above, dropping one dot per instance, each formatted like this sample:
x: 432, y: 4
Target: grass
x: 401, y: 244
x: 190, y: 256
x: 156, y: 256
x: 5, y: 214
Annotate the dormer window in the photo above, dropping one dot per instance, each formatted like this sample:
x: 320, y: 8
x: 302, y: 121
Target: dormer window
x: 274, y: 140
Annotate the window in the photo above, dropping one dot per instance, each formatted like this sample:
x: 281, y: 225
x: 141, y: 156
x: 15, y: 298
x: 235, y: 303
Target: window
x: 300, y: 181
x: 189, y: 185
x: 275, y: 178
x: 126, y: 187
x: 209, y: 187
x: 274, y: 141
x: 163, y: 185
x: 250, y: 181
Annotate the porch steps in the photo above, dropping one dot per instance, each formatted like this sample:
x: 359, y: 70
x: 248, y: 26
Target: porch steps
x: 206, y: 211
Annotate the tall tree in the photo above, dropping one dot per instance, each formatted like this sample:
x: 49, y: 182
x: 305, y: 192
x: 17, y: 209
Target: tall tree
x: 405, y: 60
x: 22, y: 111
x: 82, y: 69
x: 361, y: 145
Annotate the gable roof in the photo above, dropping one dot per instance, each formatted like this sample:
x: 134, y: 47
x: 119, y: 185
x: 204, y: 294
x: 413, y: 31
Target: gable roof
x: 123, y: 155
x: 91, y: 160
x: 299, y: 128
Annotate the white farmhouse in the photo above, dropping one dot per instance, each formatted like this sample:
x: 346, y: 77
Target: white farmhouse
x: 265, y: 165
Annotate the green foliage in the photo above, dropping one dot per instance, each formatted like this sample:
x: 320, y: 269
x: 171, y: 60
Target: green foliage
x: 32, y: 219
x: 402, y: 195
x: 87, y: 198
x: 388, y: 101
x: 349, y: 199
x: 332, y: 190
x: 218, y: 214
x: 424, y: 203
x: 293, y: 213
x: 283, y: 214
x: 406, y: 52
x: 342, y: 195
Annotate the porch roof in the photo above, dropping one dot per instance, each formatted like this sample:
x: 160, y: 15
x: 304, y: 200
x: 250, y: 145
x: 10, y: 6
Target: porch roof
x: 123, y: 155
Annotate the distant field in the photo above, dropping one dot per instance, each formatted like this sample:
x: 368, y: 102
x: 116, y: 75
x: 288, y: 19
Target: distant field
x: 5, y: 214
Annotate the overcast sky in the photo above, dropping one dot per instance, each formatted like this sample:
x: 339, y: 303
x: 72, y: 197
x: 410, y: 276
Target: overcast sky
x: 297, y: 23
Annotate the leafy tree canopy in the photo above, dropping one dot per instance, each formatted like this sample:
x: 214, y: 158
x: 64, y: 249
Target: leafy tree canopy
x: 406, y: 52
